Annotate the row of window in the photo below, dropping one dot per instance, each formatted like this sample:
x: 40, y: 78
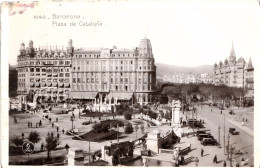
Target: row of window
x: 49, y: 80
x: 45, y: 62
x: 92, y: 87
x: 112, y: 68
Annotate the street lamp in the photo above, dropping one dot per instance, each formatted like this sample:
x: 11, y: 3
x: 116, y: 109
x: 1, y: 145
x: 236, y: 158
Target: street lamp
x: 231, y: 151
x: 72, y: 119
x: 218, y: 136
x: 228, y: 137
x: 196, y: 161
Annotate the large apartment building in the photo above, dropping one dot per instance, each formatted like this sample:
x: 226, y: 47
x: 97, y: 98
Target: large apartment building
x: 109, y: 74
x: 102, y: 74
x: 235, y: 73
x: 44, y: 72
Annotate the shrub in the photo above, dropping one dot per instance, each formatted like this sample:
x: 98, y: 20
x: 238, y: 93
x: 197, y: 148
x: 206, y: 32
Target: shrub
x: 128, y: 129
x: 34, y: 137
x: 128, y: 115
x: 17, y: 141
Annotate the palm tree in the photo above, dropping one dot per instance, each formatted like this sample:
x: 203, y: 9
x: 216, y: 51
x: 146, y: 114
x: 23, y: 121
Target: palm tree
x: 34, y: 137
x: 51, y: 144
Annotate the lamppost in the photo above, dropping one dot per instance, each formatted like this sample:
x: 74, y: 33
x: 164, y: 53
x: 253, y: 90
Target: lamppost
x: 228, y: 137
x: 72, y: 119
x: 231, y: 151
x: 117, y: 133
x: 196, y: 161
x: 218, y: 136
x: 224, y: 135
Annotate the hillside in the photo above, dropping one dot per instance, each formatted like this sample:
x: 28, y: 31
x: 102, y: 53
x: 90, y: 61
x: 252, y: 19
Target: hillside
x: 165, y: 69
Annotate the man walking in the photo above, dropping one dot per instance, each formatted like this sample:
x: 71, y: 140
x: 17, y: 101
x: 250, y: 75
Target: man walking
x: 201, y: 152
x: 215, y: 160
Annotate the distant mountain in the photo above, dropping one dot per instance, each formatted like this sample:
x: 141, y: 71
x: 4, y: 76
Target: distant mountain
x: 165, y: 69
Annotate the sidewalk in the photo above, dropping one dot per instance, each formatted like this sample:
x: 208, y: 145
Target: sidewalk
x: 247, y: 130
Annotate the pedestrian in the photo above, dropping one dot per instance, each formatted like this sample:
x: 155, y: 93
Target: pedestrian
x: 221, y: 112
x: 22, y: 135
x: 29, y: 124
x: 52, y: 125
x: 215, y: 160
x: 58, y: 135
x: 63, y: 130
x: 51, y: 134
x: 42, y: 146
x: 48, y: 134
x: 79, y: 114
x: 211, y: 110
x: 40, y: 123
x: 36, y: 125
x: 243, y: 119
x: 201, y: 152
x: 57, y: 119
x: 224, y: 164
x: 182, y: 160
x: 57, y: 129
x: 246, y: 119
x: 67, y: 148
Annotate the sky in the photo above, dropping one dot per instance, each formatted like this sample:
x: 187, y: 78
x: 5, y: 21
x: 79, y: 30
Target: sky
x: 182, y: 33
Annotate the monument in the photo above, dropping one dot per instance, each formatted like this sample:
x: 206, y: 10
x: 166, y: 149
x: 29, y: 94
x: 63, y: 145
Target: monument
x: 176, y: 105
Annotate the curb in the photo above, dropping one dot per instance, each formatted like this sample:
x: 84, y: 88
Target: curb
x: 248, y: 131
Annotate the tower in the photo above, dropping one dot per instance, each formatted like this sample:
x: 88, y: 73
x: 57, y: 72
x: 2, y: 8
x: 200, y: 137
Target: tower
x: 232, y: 56
x: 70, y: 48
x: 145, y: 48
x: 22, y: 49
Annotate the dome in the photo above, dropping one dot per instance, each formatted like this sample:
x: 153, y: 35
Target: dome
x: 226, y: 62
x: 215, y: 65
x: 241, y: 60
x: 220, y: 63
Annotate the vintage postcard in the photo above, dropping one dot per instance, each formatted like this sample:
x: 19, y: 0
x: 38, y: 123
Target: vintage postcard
x: 130, y: 83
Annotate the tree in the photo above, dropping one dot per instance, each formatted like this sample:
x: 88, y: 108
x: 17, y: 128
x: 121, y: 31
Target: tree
x: 128, y: 129
x: 17, y: 141
x: 51, y: 144
x: 128, y: 115
x: 34, y: 137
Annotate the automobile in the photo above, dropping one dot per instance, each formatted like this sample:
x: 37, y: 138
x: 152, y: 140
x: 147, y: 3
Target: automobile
x: 201, y: 136
x: 208, y: 141
x: 200, y: 132
x: 86, y: 123
x: 233, y: 131
x: 231, y: 112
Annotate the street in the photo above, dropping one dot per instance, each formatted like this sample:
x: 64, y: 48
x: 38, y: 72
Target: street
x: 243, y: 142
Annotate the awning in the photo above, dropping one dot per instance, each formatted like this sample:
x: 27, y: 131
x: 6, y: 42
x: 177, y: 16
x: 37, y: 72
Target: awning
x: 83, y: 95
x: 67, y: 85
x: 43, y: 84
x: 55, y: 84
x: 61, y: 84
x: 120, y: 96
x: 32, y: 84
x: 49, y: 84
x: 37, y: 84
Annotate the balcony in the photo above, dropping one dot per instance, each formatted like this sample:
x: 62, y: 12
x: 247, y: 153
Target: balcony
x: 249, y: 80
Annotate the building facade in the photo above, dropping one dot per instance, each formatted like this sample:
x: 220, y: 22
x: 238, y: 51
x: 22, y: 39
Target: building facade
x: 44, y: 72
x: 234, y: 73
x: 109, y: 75
x: 101, y: 75
x: 249, y: 79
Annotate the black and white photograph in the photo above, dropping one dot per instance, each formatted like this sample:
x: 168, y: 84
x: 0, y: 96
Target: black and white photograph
x: 130, y: 83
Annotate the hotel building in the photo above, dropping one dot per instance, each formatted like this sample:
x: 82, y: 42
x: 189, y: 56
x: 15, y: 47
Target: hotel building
x: 44, y: 72
x: 235, y: 73
x: 104, y: 75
